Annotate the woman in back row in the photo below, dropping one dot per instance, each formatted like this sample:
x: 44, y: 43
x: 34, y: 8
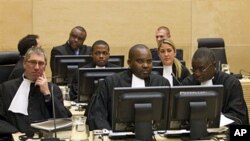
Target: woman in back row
x: 173, y: 70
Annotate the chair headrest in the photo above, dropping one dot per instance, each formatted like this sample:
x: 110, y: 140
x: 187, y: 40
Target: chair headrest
x: 9, y: 57
x: 211, y: 42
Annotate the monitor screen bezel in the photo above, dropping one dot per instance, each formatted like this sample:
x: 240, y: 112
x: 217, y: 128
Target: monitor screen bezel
x: 177, y: 94
x: 89, y: 75
x: 120, y: 91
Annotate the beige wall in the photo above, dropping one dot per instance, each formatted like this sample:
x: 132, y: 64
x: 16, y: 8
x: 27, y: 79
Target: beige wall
x: 123, y: 23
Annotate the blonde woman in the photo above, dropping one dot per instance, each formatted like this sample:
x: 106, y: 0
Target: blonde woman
x: 173, y: 70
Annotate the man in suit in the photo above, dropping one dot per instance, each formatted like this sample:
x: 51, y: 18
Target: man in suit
x: 74, y: 45
x: 100, y: 55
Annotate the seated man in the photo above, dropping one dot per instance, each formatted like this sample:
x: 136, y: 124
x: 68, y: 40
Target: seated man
x: 100, y: 55
x: 24, y: 44
x: 74, y: 45
x: 161, y: 33
x: 139, y: 74
x: 205, y: 73
x: 28, y: 99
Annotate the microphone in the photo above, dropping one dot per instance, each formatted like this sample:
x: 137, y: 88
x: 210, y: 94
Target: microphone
x: 176, y: 79
x: 54, y: 118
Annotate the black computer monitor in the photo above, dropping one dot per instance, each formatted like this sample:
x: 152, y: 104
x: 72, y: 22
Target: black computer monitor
x: 89, y: 78
x: 65, y: 66
x: 157, y: 70
x: 117, y: 59
x: 195, y: 108
x: 140, y: 110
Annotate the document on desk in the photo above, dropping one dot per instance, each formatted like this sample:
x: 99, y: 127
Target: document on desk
x: 48, y: 125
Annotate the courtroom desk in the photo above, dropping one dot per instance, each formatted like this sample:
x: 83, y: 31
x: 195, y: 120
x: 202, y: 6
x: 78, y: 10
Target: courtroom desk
x: 89, y: 136
x: 246, y: 91
x: 66, y: 135
x: 157, y: 138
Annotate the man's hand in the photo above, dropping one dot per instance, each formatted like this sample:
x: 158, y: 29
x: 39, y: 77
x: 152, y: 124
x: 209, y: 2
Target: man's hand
x: 42, y: 82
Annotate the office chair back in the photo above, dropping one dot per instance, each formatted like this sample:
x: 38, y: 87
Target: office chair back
x: 218, y: 46
x: 8, y: 60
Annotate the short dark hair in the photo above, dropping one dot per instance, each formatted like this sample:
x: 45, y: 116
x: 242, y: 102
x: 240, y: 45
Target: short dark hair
x: 99, y: 42
x: 80, y: 28
x: 133, y: 48
x: 27, y: 42
x: 204, y: 53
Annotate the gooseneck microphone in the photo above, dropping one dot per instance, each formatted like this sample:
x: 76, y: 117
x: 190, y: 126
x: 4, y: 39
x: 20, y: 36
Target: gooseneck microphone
x: 176, y: 78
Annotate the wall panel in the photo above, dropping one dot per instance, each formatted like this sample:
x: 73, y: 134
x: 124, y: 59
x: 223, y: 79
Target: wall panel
x: 124, y: 23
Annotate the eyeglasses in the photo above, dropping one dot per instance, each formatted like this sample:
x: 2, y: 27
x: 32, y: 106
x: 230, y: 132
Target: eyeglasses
x: 201, y: 69
x: 34, y: 63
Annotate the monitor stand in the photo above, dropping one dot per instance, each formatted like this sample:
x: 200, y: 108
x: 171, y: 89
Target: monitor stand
x: 143, y: 124
x: 198, y: 120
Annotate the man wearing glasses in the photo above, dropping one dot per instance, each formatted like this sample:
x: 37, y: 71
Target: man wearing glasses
x: 205, y: 73
x: 28, y: 99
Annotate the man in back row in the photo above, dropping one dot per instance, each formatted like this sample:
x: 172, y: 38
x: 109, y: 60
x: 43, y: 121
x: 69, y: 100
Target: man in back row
x: 161, y: 33
x: 100, y: 55
x: 74, y: 45
x: 138, y: 75
x: 27, y: 42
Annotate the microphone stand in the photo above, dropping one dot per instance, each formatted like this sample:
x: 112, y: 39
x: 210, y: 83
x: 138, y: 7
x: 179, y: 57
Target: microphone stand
x: 176, y: 79
x: 54, y: 118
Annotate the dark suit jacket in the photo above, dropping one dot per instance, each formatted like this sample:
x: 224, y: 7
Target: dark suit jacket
x: 18, y: 70
x: 65, y: 49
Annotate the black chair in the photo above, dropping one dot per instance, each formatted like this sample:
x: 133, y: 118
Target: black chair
x: 8, y: 60
x: 218, y: 46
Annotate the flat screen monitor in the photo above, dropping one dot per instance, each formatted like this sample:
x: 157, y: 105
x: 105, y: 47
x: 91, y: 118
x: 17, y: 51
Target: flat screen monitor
x: 195, y: 108
x: 65, y: 66
x: 117, y: 59
x: 140, y: 110
x: 157, y: 70
x: 89, y: 78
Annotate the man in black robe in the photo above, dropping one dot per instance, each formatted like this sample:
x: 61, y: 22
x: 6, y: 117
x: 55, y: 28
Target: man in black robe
x: 100, y: 55
x: 205, y: 73
x: 28, y: 99
x: 140, y: 67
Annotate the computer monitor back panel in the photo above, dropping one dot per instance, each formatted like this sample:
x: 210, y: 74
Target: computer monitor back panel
x: 182, y: 96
